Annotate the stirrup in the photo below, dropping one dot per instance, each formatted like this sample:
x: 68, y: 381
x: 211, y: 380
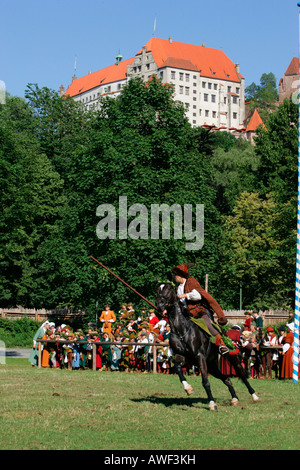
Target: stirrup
x: 223, y: 349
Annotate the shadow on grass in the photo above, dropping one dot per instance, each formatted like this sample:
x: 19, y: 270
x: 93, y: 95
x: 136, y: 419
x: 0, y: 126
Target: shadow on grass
x: 172, y: 401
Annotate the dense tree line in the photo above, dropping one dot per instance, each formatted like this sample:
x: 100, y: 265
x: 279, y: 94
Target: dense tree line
x: 59, y: 163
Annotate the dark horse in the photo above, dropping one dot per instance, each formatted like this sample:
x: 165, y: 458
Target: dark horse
x: 190, y: 345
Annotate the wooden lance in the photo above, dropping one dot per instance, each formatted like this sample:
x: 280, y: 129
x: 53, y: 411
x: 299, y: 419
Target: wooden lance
x: 125, y: 283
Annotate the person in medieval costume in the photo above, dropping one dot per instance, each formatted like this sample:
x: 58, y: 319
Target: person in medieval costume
x: 116, y: 354
x: 107, y: 318
x: 33, y: 358
x: 287, y: 361
x: 199, y: 302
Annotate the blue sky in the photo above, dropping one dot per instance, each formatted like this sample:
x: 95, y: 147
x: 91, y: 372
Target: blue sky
x: 40, y: 38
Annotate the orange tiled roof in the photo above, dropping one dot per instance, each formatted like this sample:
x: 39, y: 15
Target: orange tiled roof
x: 179, y: 63
x: 293, y: 68
x: 254, y: 122
x: 211, y: 63
x: 109, y: 74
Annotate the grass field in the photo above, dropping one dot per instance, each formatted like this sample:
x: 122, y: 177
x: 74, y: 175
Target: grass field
x: 49, y: 409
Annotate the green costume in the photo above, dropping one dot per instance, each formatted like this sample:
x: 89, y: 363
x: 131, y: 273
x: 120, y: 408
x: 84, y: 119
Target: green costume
x: 34, y: 355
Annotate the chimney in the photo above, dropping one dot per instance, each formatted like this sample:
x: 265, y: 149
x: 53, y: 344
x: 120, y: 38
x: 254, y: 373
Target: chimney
x: 203, y: 44
x: 237, y: 68
x: 170, y: 39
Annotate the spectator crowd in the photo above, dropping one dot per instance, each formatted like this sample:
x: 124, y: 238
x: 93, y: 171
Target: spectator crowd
x: 131, y: 351
x: 266, y: 352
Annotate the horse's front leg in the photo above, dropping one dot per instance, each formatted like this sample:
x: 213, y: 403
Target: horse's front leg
x: 205, y: 382
x: 179, y: 361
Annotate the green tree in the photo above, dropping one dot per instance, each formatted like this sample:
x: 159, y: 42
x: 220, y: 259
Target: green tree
x: 234, y: 171
x: 263, y: 96
x: 140, y: 146
x: 58, y: 123
x: 253, y: 253
x: 277, y: 148
x: 31, y: 197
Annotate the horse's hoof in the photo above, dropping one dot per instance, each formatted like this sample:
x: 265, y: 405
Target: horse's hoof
x: 189, y: 390
x: 213, y: 406
x: 234, y: 402
x: 255, y: 397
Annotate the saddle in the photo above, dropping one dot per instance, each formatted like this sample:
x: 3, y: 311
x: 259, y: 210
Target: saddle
x: 202, y: 325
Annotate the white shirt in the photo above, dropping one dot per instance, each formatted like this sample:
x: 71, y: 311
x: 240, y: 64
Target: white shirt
x: 193, y: 295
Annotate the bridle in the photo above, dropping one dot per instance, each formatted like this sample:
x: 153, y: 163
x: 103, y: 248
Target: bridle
x: 169, y: 303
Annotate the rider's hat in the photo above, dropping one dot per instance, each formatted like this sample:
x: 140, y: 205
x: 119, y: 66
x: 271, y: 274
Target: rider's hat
x: 182, y: 270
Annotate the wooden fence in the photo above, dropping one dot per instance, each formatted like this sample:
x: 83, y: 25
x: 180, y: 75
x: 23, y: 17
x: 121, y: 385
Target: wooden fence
x: 96, y: 343
x: 124, y: 345
x: 39, y: 314
x: 270, y: 317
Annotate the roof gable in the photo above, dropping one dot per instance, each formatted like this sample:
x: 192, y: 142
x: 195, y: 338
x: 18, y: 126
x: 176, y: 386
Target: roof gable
x: 293, y: 68
x: 254, y: 122
x: 211, y: 63
x: 179, y: 64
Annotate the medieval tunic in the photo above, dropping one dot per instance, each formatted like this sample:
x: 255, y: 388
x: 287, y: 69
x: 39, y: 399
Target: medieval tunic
x: 76, y: 355
x: 107, y: 318
x: 45, y: 354
x: 226, y: 367
x: 287, y: 361
x: 247, y: 323
x: 116, y: 356
x: 34, y: 355
x: 200, y: 303
x: 98, y: 353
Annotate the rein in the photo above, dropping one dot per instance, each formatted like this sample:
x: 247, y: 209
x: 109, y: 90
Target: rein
x: 181, y: 337
x: 168, y: 304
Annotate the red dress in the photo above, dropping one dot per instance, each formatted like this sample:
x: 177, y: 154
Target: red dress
x: 98, y: 354
x: 287, y: 361
x: 226, y: 367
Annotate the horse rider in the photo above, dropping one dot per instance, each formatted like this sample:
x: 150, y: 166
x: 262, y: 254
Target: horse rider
x: 199, y: 302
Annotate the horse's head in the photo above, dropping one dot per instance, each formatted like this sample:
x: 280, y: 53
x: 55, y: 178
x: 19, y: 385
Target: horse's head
x: 166, y: 297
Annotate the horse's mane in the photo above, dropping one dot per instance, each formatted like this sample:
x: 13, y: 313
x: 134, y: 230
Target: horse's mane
x: 182, y: 305
x: 184, y: 309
